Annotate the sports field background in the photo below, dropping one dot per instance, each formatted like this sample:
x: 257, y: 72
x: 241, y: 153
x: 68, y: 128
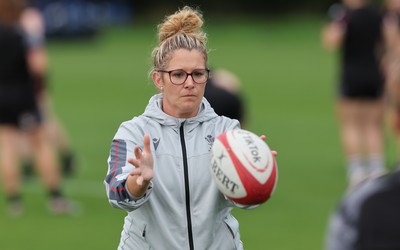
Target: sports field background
x: 288, y: 83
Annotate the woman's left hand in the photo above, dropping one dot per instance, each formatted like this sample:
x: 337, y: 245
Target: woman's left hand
x: 274, y: 153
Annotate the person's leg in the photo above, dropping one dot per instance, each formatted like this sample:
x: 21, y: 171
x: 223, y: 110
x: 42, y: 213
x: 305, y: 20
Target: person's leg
x: 395, y: 123
x: 45, y: 159
x: 48, y: 168
x: 351, y: 137
x: 392, y: 98
x: 25, y: 155
x: 9, y: 168
x: 373, y: 116
x: 58, y: 135
x: 61, y: 142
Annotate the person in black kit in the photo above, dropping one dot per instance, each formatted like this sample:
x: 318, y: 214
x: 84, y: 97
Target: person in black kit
x: 33, y: 24
x: 222, y: 92
x: 19, y: 113
x: 356, y: 30
x: 368, y: 216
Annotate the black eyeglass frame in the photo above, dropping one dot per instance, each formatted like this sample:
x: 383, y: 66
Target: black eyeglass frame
x: 187, y: 75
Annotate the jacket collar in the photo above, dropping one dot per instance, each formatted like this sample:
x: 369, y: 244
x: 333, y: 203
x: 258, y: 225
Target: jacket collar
x: 155, y: 112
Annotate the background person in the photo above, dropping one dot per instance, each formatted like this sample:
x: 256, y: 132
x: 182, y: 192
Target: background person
x: 33, y: 24
x: 158, y: 168
x: 357, y: 32
x: 20, y: 113
x: 223, y: 94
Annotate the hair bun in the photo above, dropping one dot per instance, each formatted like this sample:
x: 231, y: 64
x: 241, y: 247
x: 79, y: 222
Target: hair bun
x: 186, y: 20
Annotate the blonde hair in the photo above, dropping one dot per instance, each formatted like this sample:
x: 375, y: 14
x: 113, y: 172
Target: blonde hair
x: 181, y: 30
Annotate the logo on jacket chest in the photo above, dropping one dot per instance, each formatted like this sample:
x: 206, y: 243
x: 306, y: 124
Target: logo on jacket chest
x: 210, y: 140
x: 156, y: 141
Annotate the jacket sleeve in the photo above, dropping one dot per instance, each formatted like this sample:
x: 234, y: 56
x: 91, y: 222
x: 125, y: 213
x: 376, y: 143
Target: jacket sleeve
x: 342, y: 231
x: 344, y: 227
x: 246, y: 207
x: 118, y: 171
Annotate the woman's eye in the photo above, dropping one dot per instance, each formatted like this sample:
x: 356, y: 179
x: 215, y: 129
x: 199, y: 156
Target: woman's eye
x: 178, y: 74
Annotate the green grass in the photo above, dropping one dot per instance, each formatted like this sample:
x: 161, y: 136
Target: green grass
x: 288, y: 82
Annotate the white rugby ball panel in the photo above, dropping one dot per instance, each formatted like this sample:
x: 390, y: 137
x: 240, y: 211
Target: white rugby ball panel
x: 252, y: 152
x: 243, y: 167
x: 226, y: 177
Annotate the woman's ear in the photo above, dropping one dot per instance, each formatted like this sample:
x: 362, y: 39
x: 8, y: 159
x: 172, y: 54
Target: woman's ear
x: 157, y: 80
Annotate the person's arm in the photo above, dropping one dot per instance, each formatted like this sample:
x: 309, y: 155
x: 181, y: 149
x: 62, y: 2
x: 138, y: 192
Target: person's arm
x: 128, y: 187
x: 33, y: 26
x: 391, y: 33
x: 341, y: 234
x: 332, y: 35
x: 343, y: 229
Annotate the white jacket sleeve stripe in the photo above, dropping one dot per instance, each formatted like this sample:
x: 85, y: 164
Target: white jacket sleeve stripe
x: 117, y: 161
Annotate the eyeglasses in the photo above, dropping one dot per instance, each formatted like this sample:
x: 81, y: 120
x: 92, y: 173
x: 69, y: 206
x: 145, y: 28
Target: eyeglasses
x: 179, y: 76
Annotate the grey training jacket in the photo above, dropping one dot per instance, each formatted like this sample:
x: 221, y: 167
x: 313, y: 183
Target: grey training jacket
x: 182, y: 208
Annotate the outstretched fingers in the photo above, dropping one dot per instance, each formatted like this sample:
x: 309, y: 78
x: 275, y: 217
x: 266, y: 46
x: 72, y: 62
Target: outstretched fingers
x: 143, y: 162
x: 138, y: 153
x: 274, y: 153
x: 137, y: 170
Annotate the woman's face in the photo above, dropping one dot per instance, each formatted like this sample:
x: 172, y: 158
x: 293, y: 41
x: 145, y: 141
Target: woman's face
x: 181, y: 101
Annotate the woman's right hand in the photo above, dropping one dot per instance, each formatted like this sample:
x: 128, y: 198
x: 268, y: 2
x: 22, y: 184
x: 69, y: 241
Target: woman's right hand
x: 143, y: 172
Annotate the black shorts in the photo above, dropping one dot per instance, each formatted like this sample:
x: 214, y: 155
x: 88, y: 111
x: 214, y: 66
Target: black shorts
x: 361, y: 91
x: 25, y: 118
x: 362, y: 81
x: 19, y: 107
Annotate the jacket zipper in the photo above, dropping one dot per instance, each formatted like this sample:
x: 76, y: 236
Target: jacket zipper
x: 187, y: 195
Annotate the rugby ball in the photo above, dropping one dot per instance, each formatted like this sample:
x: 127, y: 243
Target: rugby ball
x: 243, y: 167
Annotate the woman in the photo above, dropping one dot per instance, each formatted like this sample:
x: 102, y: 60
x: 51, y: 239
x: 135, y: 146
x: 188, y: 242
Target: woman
x: 368, y: 216
x: 159, y: 161
x: 33, y: 25
x: 19, y: 111
x: 357, y: 32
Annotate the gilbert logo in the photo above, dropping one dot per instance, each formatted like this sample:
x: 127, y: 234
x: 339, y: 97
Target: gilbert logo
x: 221, y: 176
x: 156, y: 141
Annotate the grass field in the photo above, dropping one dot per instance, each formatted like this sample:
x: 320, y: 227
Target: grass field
x: 288, y: 83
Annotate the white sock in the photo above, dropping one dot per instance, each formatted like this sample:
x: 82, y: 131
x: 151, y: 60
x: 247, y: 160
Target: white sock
x: 376, y: 164
x: 356, y: 170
